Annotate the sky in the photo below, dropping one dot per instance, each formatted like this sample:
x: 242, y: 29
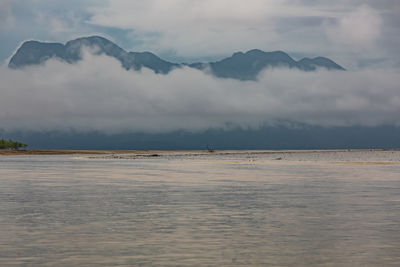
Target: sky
x: 97, y: 94
x: 355, y: 33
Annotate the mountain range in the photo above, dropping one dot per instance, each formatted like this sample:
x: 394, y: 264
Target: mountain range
x: 242, y: 66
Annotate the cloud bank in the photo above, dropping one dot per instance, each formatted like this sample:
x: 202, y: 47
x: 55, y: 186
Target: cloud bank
x: 97, y: 94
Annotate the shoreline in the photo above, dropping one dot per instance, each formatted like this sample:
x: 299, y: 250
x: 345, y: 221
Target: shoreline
x: 6, y: 152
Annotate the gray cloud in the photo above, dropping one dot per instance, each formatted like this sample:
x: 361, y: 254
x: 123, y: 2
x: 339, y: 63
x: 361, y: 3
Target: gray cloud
x: 97, y: 94
x: 6, y: 16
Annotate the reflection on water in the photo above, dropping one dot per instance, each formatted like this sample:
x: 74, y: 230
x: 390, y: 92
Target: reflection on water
x: 235, y: 210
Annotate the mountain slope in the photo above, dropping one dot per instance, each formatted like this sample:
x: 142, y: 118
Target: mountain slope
x: 151, y: 61
x: 242, y: 66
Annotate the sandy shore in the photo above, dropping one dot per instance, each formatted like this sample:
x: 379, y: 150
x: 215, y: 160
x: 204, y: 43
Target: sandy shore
x: 366, y: 156
x: 6, y: 152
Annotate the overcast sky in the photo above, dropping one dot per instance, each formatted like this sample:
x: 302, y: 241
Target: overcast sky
x: 355, y: 33
x: 98, y: 94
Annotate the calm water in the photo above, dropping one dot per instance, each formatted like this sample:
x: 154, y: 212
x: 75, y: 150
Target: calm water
x: 223, y: 210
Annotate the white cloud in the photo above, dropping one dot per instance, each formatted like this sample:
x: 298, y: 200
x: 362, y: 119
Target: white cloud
x: 360, y: 28
x: 97, y: 94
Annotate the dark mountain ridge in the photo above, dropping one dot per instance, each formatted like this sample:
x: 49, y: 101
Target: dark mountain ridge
x: 242, y: 66
x: 267, y: 137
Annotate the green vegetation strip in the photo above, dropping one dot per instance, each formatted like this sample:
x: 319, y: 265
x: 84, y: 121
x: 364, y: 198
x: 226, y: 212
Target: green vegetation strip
x: 9, y: 144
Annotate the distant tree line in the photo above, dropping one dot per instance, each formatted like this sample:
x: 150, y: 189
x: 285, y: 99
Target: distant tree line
x: 9, y: 144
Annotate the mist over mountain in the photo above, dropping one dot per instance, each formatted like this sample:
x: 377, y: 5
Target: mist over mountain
x: 242, y: 66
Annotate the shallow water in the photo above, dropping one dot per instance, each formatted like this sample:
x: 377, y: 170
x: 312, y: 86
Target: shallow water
x: 248, y: 209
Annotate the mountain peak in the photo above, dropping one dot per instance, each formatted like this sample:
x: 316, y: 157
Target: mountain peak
x: 247, y: 66
x: 311, y: 64
x: 90, y: 40
x: 35, y: 52
x: 254, y: 52
x: 238, y: 54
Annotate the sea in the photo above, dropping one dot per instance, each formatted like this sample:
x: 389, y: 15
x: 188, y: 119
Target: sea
x: 221, y: 208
